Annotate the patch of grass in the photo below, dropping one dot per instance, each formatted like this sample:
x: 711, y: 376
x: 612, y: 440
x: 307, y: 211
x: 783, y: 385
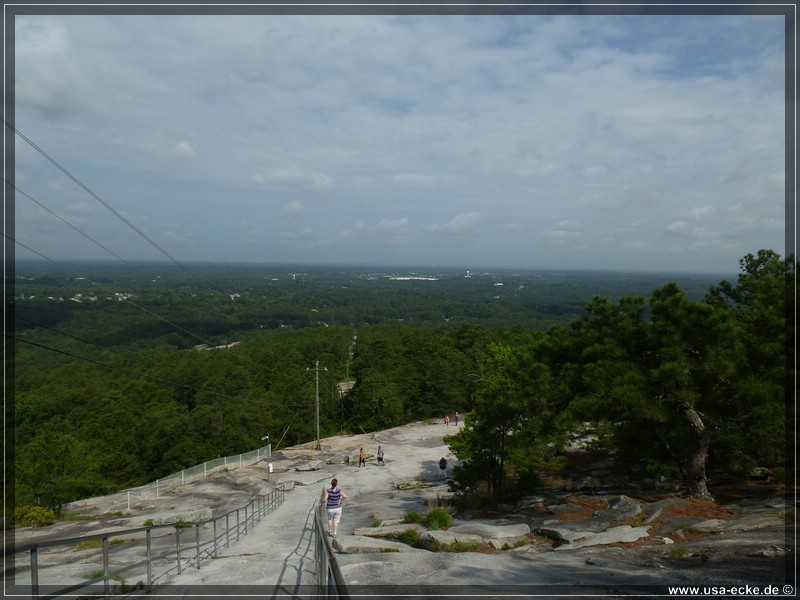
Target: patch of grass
x: 413, y: 517
x: 679, y: 552
x: 96, y: 543
x: 412, y: 485
x: 389, y: 550
x: 376, y: 523
x: 410, y: 537
x: 99, y: 573
x: 148, y: 523
x: 438, y: 518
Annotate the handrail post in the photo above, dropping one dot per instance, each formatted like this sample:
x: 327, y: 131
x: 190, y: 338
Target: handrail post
x: 214, y: 552
x: 34, y: 573
x: 238, y: 525
x: 197, y: 542
x: 178, y: 547
x: 149, y: 561
x: 105, y: 565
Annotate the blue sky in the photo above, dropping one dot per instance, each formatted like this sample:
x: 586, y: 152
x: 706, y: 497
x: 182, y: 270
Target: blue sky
x: 566, y: 142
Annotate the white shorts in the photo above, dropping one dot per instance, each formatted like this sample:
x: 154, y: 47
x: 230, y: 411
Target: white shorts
x: 335, y: 514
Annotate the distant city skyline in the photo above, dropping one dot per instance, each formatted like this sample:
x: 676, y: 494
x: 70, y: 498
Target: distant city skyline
x: 649, y: 143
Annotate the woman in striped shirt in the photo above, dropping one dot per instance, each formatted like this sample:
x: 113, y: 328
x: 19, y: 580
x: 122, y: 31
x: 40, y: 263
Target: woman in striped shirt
x: 332, y: 500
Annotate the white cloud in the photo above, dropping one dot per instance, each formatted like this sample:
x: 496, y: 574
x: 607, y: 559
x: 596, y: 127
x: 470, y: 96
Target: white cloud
x: 293, y: 177
x: 293, y: 210
x: 184, y: 149
x: 516, y: 125
x: 394, y: 231
x: 467, y: 224
x: 563, y: 231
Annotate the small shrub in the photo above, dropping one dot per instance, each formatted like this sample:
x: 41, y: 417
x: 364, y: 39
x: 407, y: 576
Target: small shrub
x: 438, y: 518
x: 409, y: 537
x: 148, y: 523
x: 413, y: 517
x: 33, y: 516
x: 377, y: 523
x: 678, y: 552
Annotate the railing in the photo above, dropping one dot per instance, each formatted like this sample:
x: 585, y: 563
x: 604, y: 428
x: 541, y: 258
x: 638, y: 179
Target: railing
x: 330, y: 583
x: 208, y: 537
x: 144, y: 493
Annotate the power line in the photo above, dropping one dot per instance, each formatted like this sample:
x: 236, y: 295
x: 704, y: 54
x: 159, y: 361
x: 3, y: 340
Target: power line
x: 107, y: 250
x: 108, y: 291
x: 87, y: 236
x: 94, y: 195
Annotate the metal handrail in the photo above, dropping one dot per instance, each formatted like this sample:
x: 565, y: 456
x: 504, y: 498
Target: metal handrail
x: 257, y: 508
x: 330, y: 582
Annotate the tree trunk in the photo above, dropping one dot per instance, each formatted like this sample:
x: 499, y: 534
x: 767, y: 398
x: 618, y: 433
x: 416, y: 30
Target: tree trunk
x: 696, y: 453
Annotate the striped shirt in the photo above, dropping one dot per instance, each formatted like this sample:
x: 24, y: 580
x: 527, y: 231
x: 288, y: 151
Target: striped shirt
x: 334, y: 498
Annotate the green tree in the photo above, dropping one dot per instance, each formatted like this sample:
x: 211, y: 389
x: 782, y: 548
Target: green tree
x: 55, y: 467
x: 753, y: 429
x: 652, y: 376
x: 516, y: 426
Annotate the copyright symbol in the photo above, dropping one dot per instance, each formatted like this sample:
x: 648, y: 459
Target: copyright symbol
x: 788, y: 590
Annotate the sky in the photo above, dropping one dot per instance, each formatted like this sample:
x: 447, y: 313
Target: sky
x: 602, y: 142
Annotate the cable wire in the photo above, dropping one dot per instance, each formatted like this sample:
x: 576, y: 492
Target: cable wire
x: 94, y: 195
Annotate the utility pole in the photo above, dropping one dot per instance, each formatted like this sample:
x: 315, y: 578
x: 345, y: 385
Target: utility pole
x: 316, y: 378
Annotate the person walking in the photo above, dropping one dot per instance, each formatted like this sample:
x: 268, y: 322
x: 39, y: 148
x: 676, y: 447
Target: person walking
x: 442, y: 468
x: 362, y: 458
x: 456, y: 418
x: 380, y: 457
x: 332, y: 500
x: 446, y: 420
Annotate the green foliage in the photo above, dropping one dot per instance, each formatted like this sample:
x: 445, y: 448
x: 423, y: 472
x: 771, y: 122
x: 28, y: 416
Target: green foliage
x: 678, y: 552
x: 409, y: 537
x: 145, y: 403
x: 413, y: 517
x: 438, y: 518
x: 33, y: 516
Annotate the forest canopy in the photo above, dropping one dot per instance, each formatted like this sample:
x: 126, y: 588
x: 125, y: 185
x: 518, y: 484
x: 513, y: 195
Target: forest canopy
x: 121, y: 377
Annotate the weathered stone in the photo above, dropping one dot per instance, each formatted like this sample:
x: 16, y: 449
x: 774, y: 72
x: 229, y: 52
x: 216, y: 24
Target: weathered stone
x: 583, y: 483
x: 355, y: 544
x: 312, y: 465
x: 339, y: 459
x: 388, y: 531
x: 620, y: 508
x: 487, y: 530
x: 621, y: 534
x: 497, y: 536
x: 530, y: 502
x: 434, y: 540
x: 191, y: 516
x: 564, y: 534
x: 746, y: 523
x: 759, y: 473
x: 653, y: 515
